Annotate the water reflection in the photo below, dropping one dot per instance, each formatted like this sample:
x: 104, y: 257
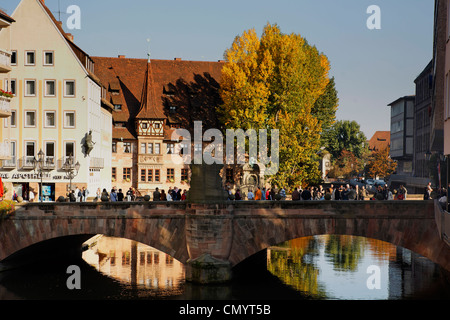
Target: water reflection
x: 136, y: 264
x: 337, y: 267
x: 319, y: 267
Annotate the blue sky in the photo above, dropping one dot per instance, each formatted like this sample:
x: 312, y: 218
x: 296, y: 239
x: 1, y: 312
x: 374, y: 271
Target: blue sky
x: 372, y: 67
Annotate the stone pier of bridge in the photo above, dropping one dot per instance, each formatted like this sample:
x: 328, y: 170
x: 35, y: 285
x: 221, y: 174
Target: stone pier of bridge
x: 211, y: 239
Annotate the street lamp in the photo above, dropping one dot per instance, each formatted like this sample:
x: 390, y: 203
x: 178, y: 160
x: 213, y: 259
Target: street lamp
x: 71, y: 169
x: 40, y: 165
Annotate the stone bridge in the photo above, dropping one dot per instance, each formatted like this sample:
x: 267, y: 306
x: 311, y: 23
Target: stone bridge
x: 213, y: 238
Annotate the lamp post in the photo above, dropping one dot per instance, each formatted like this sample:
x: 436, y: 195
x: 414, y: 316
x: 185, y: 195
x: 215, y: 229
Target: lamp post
x: 71, y: 169
x: 39, y: 165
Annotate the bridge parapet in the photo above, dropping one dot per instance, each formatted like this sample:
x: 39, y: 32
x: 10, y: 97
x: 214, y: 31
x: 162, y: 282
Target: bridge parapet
x: 226, y: 232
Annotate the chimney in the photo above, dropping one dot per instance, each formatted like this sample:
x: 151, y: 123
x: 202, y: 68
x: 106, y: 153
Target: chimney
x: 70, y: 36
x: 121, y: 56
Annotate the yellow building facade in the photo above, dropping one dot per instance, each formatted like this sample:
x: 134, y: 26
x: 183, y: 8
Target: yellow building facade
x: 56, y: 108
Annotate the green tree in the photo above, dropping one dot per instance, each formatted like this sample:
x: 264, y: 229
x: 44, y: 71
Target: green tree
x: 326, y: 106
x: 346, y: 135
x: 273, y: 82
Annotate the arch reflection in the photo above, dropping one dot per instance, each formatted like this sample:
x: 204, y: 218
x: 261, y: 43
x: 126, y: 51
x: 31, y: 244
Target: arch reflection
x: 336, y: 267
x: 134, y: 263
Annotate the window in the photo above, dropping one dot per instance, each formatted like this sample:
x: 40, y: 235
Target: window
x: 13, y: 150
x: 14, y: 58
x: 144, y: 125
x: 157, y: 125
x: 150, y: 175
x: 127, y: 174
x: 114, y: 147
x: 127, y: 147
x: 30, y: 58
x: 157, y: 175
x: 69, y: 149
x: 118, y: 107
x: 69, y: 119
x: 150, y: 148
x: 13, y: 88
x: 171, y: 175
x: 30, y: 118
x: 48, y: 58
x: 114, y: 173
x: 126, y: 258
x: 50, y: 118
x: 157, y: 148
x: 50, y: 88
x: 69, y: 88
x: 13, y: 118
x: 198, y: 147
x: 30, y: 152
x: 50, y: 153
x: 170, y: 148
x: 143, y: 148
x: 30, y: 88
x: 143, y: 175
x: 184, y: 174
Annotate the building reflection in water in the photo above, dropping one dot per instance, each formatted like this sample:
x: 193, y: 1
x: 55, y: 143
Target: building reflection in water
x: 134, y: 263
x: 335, y: 267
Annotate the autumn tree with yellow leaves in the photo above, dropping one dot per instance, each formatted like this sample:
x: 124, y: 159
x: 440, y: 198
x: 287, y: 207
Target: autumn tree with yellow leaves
x: 274, y: 82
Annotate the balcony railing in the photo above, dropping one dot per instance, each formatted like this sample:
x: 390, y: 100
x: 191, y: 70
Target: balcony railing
x: 26, y: 163
x: 5, y: 107
x: 9, y: 164
x: 97, y: 163
x: 5, y: 151
x: 5, y: 61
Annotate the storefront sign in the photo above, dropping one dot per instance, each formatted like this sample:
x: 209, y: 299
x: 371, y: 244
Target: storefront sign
x: 31, y: 176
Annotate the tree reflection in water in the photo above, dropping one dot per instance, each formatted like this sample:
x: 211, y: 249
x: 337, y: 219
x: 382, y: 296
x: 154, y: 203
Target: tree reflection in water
x: 292, y: 263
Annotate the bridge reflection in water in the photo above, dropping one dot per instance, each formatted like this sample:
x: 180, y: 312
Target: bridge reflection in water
x: 317, y: 267
x: 134, y: 263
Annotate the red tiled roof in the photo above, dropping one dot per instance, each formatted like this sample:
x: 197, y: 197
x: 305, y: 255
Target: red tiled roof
x: 149, y: 108
x: 380, y: 140
x: 191, y: 87
x: 6, y: 17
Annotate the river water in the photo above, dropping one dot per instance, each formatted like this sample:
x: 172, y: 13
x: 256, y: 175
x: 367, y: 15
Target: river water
x: 328, y: 267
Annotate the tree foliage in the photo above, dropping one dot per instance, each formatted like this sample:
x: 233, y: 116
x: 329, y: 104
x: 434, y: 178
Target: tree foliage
x: 346, y: 135
x: 380, y: 164
x: 346, y: 166
x: 273, y: 82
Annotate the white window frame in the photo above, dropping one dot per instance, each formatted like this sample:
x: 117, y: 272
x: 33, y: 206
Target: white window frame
x: 27, y: 125
x: 45, y: 58
x: 46, y: 125
x: 66, y: 126
x: 74, y: 89
x: 27, y: 94
x: 26, y: 57
x: 46, y: 94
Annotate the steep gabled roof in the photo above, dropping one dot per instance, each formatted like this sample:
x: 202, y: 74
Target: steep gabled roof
x: 191, y: 86
x: 380, y: 140
x: 149, y: 108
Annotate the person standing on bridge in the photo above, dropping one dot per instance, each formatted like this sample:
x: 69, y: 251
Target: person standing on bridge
x: 258, y: 194
x: 157, y: 195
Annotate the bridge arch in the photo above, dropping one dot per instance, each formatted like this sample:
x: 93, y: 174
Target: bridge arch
x: 230, y: 231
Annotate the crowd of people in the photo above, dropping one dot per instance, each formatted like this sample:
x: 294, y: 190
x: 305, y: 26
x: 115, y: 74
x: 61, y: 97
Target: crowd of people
x: 81, y: 195
x: 333, y: 192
